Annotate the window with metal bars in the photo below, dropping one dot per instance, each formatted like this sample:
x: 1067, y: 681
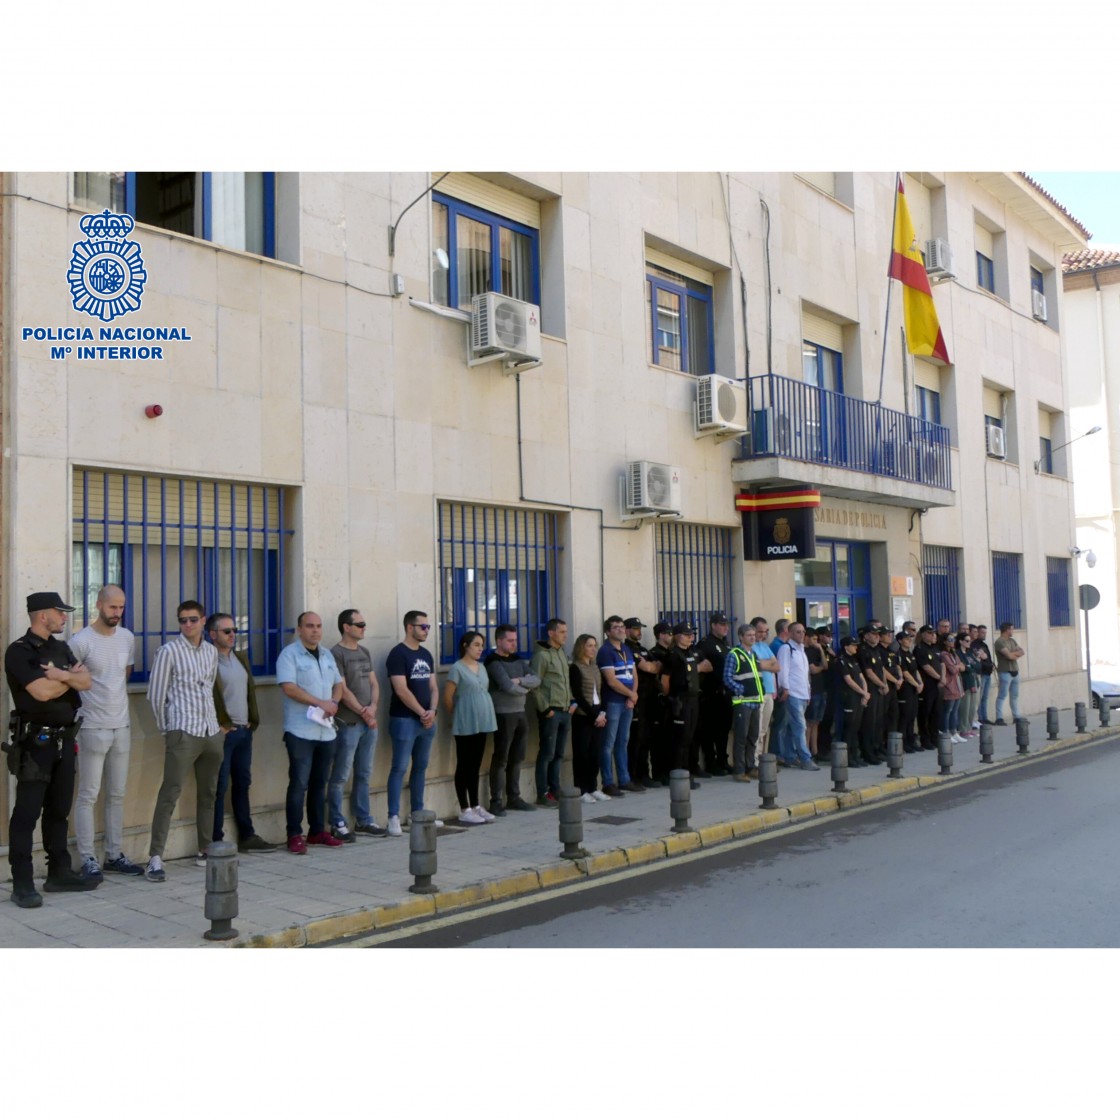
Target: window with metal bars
x: 1007, y: 588
x: 496, y: 565
x: 941, y: 583
x: 1058, y: 596
x: 694, y: 566
x: 163, y: 540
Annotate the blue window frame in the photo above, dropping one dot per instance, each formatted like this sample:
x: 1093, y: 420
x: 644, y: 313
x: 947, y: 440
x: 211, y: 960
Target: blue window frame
x: 941, y: 583
x: 985, y: 272
x: 833, y: 588
x: 486, y: 253
x: 694, y: 568
x: 929, y: 404
x: 1058, y: 597
x: 1045, y: 455
x: 164, y: 540
x: 1038, y: 282
x: 680, y: 319
x: 496, y: 565
x: 1007, y: 588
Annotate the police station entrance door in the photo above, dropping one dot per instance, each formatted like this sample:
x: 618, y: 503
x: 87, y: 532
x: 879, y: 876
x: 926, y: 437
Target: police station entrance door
x: 834, y: 588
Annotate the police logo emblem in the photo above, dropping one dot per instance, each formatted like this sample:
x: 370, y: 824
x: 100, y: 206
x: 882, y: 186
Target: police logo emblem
x: 106, y: 273
x: 782, y: 533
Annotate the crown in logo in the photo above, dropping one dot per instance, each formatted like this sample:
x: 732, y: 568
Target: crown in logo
x: 107, y: 224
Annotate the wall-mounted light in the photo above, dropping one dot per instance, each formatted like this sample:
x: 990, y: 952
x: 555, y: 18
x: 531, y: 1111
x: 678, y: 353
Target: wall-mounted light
x: 1091, y: 432
x: 1088, y: 553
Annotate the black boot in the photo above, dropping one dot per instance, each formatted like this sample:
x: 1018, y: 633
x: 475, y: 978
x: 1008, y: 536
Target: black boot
x: 67, y: 880
x: 25, y: 896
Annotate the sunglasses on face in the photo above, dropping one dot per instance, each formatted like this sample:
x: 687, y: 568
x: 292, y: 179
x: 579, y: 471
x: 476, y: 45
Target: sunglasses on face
x: 189, y: 619
x: 227, y: 630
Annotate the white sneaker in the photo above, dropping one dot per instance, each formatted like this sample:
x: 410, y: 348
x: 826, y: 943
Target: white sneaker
x: 200, y: 859
x: 155, y: 872
x: 955, y: 739
x: 469, y: 816
x: 599, y: 795
x: 394, y: 826
x: 486, y: 816
x: 976, y: 725
x: 588, y: 799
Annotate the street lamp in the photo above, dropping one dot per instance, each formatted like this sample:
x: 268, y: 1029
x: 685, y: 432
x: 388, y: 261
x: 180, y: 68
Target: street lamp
x: 1091, y: 432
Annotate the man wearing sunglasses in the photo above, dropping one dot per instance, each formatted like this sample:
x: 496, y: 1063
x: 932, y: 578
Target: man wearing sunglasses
x: 181, y: 692
x: 235, y: 702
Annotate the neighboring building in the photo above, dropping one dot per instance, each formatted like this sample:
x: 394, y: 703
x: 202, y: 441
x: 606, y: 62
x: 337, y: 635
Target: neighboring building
x: 1091, y: 332
x: 326, y: 442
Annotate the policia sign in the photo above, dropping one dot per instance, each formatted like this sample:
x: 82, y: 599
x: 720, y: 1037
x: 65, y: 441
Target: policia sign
x: 778, y: 525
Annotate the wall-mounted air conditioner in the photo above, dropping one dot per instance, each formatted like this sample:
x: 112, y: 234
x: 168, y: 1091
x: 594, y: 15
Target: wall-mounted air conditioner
x: 721, y: 405
x: 939, y: 259
x: 503, y: 326
x: 652, y: 487
x: 997, y: 442
x: 1038, y: 305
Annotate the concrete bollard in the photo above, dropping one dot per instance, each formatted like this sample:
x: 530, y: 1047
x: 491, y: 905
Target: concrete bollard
x: 1023, y: 734
x: 1105, y: 711
x: 1080, y: 716
x: 220, y: 905
x: 945, y: 752
x: 839, y: 772
x: 768, y: 780
x: 422, y: 852
x: 1051, y: 723
x: 987, y: 743
x: 894, y: 753
x: 680, y: 799
x: 571, y: 825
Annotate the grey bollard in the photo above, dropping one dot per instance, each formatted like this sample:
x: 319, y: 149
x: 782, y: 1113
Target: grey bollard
x: 1105, y: 711
x: 1023, y: 734
x: 1051, y: 723
x: 680, y: 799
x: 768, y: 780
x: 422, y: 852
x: 945, y: 752
x: 571, y: 825
x: 839, y: 771
x: 894, y: 753
x: 221, y: 890
x: 1080, y: 716
x: 987, y: 742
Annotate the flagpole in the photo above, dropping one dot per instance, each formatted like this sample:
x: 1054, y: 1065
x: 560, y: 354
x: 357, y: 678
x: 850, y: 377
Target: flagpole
x: 890, y: 286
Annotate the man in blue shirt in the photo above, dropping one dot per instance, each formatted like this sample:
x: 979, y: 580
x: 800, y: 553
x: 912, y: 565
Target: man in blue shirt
x: 620, y: 696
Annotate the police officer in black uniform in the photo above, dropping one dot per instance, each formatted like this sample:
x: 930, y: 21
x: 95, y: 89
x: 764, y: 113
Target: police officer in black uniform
x: 44, y: 679
x: 871, y: 726
x: 641, y: 727
x: 680, y: 683
x: 932, y: 673
x: 892, y: 674
x: 716, y: 715
x: 854, y: 696
x: 663, y: 731
x: 908, y: 694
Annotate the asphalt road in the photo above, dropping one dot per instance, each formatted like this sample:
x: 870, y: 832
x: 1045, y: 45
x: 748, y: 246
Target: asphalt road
x: 1027, y: 857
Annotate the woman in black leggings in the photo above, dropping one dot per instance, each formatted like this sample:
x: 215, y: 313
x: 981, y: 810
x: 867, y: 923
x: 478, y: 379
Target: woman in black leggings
x: 467, y: 697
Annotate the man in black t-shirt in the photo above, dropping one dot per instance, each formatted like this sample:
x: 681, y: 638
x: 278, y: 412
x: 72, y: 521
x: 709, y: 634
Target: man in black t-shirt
x: 871, y: 726
x: 680, y: 683
x: 854, y: 696
x: 715, y: 703
x: 641, y: 726
x: 908, y: 694
x: 662, y: 732
x: 929, y: 702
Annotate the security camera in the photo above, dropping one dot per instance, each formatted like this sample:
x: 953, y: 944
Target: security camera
x: 1091, y: 558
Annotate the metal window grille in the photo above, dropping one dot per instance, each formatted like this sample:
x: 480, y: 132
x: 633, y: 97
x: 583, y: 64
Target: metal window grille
x: 694, y: 566
x: 1007, y: 590
x: 496, y: 565
x: 941, y: 583
x: 1058, y: 595
x: 164, y: 540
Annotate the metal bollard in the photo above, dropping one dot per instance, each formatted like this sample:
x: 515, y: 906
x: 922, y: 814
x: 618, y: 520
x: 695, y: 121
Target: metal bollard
x: 1023, y: 734
x: 1051, y: 723
x: 680, y: 799
x: 422, y: 852
x: 839, y: 772
x: 1080, y: 716
x: 221, y: 890
x: 894, y: 753
x: 1105, y: 711
x: 945, y: 752
x: 571, y: 825
x: 768, y: 780
x: 987, y: 743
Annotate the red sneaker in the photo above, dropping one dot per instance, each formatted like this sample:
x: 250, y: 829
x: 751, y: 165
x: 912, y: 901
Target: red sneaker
x: 324, y: 838
x: 297, y: 845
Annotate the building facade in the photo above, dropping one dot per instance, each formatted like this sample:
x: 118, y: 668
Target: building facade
x: 346, y: 418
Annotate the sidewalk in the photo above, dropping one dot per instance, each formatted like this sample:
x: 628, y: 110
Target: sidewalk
x: 287, y: 900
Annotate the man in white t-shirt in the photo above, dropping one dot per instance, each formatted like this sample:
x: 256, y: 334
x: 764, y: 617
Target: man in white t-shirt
x: 104, y: 739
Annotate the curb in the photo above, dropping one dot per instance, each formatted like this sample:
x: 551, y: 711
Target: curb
x: 353, y: 923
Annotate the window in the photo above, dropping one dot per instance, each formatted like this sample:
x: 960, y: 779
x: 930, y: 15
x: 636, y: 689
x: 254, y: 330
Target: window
x: 168, y: 539
x: 486, y: 253
x: 822, y: 367
x: 496, y: 566
x: 232, y: 208
x: 941, y: 583
x: 928, y: 403
x: 694, y: 566
x: 1045, y: 455
x: 990, y: 243
x: 680, y: 318
x: 985, y: 272
x: 1038, y: 281
x: 834, y: 587
x: 1007, y: 589
x: 1058, y: 591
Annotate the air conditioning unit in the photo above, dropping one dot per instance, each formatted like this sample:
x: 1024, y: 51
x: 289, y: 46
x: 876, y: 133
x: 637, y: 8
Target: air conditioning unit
x: 652, y: 487
x: 721, y: 405
x: 503, y: 325
x: 939, y: 259
x: 997, y: 442
x: 1038, y: 305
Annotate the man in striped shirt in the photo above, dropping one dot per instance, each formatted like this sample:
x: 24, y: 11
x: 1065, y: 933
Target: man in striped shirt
x: 181, y: 692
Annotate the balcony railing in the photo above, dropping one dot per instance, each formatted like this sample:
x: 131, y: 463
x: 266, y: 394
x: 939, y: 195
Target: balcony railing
x: 792, y: 420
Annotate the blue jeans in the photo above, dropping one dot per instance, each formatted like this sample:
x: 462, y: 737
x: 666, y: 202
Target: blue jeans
x: 985, y: 688
x: 1008, y: 686
x: 949, y: 709
x: 309, y: 766
x: 553, y: 736
x: 237, y: 764
x: 615, y: 741
x: 412, y: 744
x: 792, y: 734
x: 353, y: 753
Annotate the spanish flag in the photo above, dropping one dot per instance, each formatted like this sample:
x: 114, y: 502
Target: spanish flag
x: 923, y: 332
